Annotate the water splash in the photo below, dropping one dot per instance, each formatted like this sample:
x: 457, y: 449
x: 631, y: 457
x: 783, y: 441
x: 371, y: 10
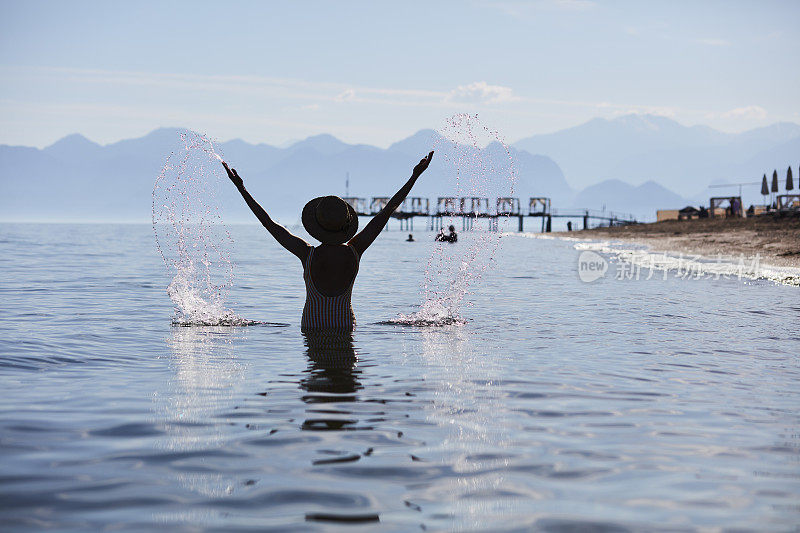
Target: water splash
x: 191, y: 236
x: 476, y: 163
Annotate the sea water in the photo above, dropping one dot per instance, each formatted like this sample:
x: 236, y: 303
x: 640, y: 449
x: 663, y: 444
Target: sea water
x: 557, y: 405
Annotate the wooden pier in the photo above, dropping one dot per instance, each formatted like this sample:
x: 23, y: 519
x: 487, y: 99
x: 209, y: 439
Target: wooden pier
x: 469, y: 209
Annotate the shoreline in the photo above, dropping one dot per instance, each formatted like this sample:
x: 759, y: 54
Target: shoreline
x: 775, y: 240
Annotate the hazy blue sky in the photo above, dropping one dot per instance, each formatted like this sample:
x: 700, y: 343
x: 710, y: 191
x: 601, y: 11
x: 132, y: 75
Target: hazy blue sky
x: 374, y: 72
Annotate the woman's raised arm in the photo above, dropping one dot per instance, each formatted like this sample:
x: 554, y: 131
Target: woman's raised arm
x: 288, y: 240
x: 366, y: 236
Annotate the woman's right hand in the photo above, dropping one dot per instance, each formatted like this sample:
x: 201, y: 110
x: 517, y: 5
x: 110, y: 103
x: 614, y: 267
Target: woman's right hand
x: 233, y: 175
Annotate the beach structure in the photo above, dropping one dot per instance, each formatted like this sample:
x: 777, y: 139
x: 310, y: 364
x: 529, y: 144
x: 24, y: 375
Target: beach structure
x: 769, y: 189
x: 774, y: 187
x: 743, y: 184
x: 475, y: 207
x: 755, y: 210
x: 358, y: 204
x: 667, y: 214
x: 540, y: 207
x: 377, y: 204
x: 688, y: 213
x: 416, y: 206
x: 467, y: 208
x: 718, y: 207
x: 471, y: 208
x: 787, y: 201
x: 507, y: 206
x: 448, y: 206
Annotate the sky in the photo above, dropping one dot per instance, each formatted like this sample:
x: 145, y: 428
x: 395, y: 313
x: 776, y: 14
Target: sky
x: 376, y: 72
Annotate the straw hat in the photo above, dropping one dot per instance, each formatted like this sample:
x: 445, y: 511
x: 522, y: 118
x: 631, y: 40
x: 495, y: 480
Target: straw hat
x: 330, y: 219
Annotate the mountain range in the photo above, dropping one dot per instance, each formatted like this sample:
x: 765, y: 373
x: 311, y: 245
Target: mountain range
x: 641, y: 148
x: 635, y: 163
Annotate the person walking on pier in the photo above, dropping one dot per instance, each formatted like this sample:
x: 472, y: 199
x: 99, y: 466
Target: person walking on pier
x: 330, y: 269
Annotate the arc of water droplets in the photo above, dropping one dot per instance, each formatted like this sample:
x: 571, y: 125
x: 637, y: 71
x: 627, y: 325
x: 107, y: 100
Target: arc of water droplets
x: 477, y: 171
x: 191, y: 236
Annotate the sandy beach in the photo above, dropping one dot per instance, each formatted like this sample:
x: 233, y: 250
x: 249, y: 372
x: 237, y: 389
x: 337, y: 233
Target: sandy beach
x: 775, y: 239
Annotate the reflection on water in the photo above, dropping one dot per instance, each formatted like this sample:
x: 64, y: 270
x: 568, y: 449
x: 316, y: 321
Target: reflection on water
x: 204, y: 383
x: 465, y: 398
x: 205, y: 372
x: 331, y: 378
x: 332, y: 361
x: 466, y: 405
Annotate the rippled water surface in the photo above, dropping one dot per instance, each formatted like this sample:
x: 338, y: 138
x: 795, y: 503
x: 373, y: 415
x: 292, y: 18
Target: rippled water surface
x: 559, y: 405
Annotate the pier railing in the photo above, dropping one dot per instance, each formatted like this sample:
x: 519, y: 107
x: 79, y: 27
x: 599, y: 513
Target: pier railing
x: 594, y: 214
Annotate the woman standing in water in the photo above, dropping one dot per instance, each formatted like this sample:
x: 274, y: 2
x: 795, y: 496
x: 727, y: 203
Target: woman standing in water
x: 329, y: 269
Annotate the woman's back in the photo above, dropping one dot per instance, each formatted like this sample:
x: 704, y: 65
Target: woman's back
x: 329, y: 272
x: 334, y: 268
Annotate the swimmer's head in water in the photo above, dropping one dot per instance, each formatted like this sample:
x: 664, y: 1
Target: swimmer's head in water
x: 330, y: 219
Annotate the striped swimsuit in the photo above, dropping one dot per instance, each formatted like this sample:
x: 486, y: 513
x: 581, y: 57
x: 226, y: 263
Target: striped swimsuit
x: 327, y: 312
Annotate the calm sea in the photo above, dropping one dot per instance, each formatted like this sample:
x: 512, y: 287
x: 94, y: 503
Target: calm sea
x: 559, y: 405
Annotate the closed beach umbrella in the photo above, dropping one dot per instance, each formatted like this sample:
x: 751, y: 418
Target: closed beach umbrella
x: 764, y: 186
x: 774, y: 181
x: 789, y: 180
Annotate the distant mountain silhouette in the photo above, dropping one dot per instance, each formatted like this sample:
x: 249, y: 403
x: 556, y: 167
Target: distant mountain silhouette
x: 75, y: 143
x: 76, y: 179
x: 324, y: 144
x: 638, y: 148
x: 642, y: 201
x: 419, y: 142
x: 635, y: 164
